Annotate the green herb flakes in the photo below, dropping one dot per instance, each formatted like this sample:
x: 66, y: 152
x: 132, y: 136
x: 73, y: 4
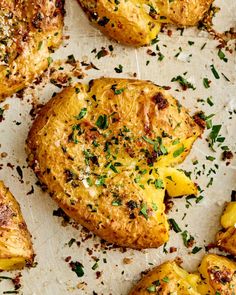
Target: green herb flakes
x: 159, y: 184
x: 214, y: 71
x: 151, y: 289
x: 102, y: 122
x: 143, y: 210
x: 196, y: 249
x: 82, y: 114
x: 78, y: 268
x: 222, y: 55
x: 178, y: 152
x: 174, y: 225
x: 206, y: 82
x: 166, y: 279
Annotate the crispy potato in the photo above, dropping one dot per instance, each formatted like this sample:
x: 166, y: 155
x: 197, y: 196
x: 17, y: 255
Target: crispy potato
x: 28, y: 29
x: 217, y: 275
x: 112, y: 142
x: 15, y: 242
x: 226, y: 238
x: 137, y: 22
x: 168, y: 278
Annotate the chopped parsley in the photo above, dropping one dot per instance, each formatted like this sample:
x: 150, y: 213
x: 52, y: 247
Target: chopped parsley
x: 71, y: 242
x: 151, y: 289
x: 214, y: 134
x: 116, y: 202
x: 117, y: 91
x: 183, y: 82
x: 214, y: 72
x: 119, y: 69
x: 143, y: 210
x: 82, y: 114
x: 166, y: 279
x: 78, y: 268
x: 187, y: 239
x: 178, y: 152
x: 102, y: 122
x: 159, y: 184
x: 50, y: 60
x: 222, y: 55
x: 196, y: 249
x: 100, y: 180
x: 174, y: 225
x: 95, y: 266
x: 206, y: 82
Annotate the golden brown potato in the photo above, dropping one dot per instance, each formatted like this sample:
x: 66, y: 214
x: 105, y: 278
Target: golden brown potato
x: 28, y: 29
x: 167, y: 278
x: 137, y: 22
x: 102, y: 152
x: 15, y: 242
x: 226, y: 238
x: 217, y: 276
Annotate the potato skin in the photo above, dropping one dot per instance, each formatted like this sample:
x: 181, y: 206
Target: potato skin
x: 105, y: 169
x: 15, y: 239
x: 31, y: 28
x: 226, y: 240
x: 137, y: 22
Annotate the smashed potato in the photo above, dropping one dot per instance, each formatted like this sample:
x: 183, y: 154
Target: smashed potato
x: 137, y: 22
x: 102, y: 151
x: 217, y: 275
x: 226, y: 238
x: 15, y: 242
x: 168, y: 278
x: 28, y: 29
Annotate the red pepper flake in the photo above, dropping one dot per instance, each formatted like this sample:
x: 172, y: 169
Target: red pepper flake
x: 68, y: 258
x: 169, y: 33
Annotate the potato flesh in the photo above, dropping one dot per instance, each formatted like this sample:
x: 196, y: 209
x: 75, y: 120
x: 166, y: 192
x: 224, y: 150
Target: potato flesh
x: 12, y: 263
x: 178, y: 184
x: 228, y: 218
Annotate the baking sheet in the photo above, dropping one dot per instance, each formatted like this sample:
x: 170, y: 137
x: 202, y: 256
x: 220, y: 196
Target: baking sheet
x: 52, y: 275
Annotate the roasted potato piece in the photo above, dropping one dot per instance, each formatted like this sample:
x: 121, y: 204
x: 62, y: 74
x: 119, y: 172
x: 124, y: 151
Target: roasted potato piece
x: 137, y: 22
x: 112, y: 142
x: 15, y: 242
x: 226, y: 238
x: 28, y: 29
x: 217, y: 275
x: 168, y: 278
